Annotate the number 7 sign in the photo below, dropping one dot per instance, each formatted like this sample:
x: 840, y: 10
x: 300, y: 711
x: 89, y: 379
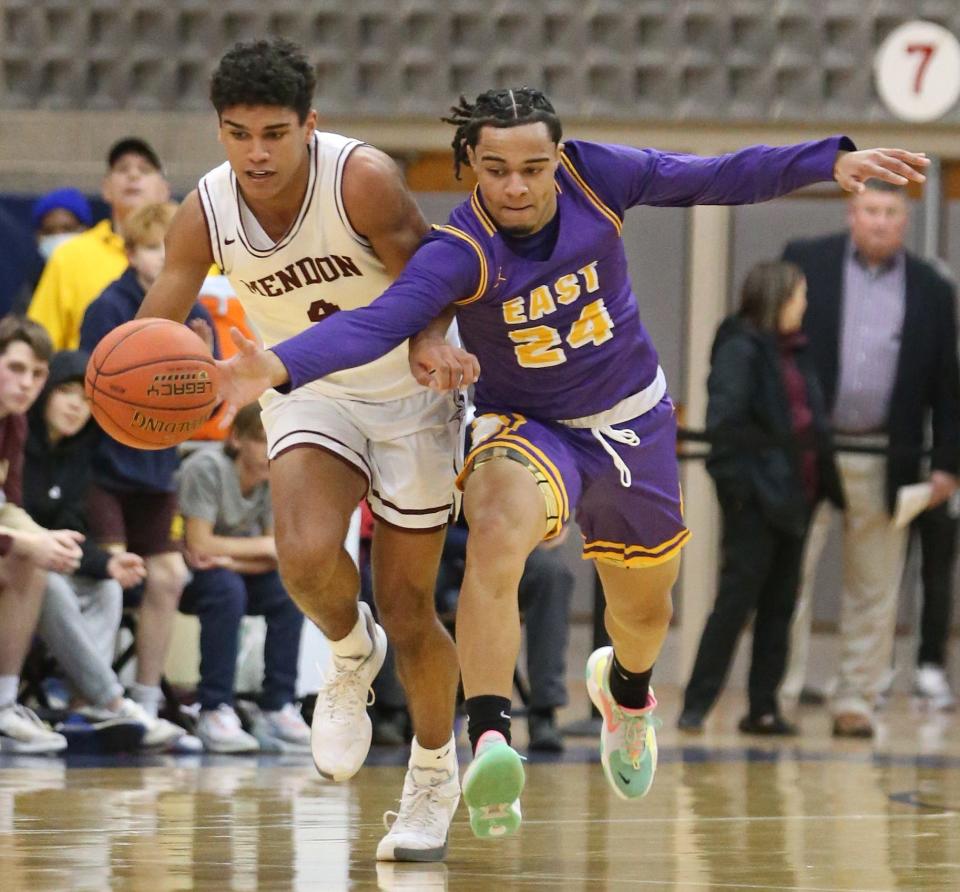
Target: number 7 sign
x: 917, y: 71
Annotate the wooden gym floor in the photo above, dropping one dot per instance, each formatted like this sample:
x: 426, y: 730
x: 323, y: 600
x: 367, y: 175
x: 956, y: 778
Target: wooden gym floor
x: 726, y: 812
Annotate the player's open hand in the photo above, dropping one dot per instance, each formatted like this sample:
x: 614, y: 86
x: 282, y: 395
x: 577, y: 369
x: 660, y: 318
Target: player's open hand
x: 246, y: 375
x: 896, y: 166
x: 441, y: 366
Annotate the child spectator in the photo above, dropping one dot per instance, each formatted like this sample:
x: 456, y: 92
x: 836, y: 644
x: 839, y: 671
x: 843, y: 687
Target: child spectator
x: 228, y: 529
x: 132, y: 502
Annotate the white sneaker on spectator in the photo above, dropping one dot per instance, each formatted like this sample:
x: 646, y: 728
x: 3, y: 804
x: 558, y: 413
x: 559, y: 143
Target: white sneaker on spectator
x: 288, y: 726
x: 159, y: 734
x: 186, y: 744
x: 221, y: 731
x: 930, y: 682
x: 341, y: 731
x: 22, y: 731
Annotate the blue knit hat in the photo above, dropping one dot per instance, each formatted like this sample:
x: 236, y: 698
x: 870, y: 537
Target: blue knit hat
x: 69, y: 199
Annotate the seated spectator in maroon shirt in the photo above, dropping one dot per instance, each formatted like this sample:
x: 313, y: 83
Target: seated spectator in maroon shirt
x: 27, y: 550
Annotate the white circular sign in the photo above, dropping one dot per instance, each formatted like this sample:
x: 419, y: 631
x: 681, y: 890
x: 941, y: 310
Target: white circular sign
x: 918, y: 71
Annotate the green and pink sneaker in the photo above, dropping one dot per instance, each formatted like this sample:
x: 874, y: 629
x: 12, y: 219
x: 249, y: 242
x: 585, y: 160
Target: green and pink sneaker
x: 492, y: 785
x: 628, y: 740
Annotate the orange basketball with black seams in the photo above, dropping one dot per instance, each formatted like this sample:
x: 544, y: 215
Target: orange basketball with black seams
x: 152, y: 383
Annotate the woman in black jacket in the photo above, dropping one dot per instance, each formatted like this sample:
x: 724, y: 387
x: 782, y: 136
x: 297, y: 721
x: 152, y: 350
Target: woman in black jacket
x: 771, y: 462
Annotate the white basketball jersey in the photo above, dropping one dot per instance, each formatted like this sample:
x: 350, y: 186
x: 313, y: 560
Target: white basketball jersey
x: 319, y: 266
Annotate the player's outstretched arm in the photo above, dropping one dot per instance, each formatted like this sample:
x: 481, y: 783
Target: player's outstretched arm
x: 896, y: 166
x: 187, y: 261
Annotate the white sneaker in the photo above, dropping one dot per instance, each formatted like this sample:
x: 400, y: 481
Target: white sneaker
x: 930, y: 682
x: 288, y: 726
x: 221, y: 731
x: 419, y: 830
x: 21, y: 731
x: 341, y: 731
x: 160, y: 733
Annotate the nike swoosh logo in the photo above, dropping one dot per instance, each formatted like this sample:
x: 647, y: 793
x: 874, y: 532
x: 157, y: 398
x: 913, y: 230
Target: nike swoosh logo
x: 229, y: 241
x: 503, y: 715
x: 626, y: 780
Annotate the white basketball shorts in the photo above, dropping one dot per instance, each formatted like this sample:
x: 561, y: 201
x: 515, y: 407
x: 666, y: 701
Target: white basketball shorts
x: 410, y: 450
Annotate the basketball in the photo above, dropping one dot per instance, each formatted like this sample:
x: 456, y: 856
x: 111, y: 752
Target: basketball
x: 151, y: 383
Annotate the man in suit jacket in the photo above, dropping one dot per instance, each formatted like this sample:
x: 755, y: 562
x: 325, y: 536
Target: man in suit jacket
x: 883, y: 336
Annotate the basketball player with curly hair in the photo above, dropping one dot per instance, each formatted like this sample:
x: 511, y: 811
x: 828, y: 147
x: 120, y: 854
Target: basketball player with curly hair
x: 573, y: 417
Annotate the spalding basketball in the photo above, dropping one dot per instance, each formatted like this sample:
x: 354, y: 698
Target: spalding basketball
x: 151, y: 383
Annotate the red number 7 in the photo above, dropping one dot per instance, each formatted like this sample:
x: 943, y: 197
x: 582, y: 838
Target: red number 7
x: 926, y: 50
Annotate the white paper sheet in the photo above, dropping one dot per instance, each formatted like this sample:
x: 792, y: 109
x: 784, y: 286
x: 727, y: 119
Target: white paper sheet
x: 911, y: 500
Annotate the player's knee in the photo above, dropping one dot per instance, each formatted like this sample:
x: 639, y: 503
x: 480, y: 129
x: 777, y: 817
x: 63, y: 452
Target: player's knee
x: 307, y: 562
x: 646, y: 611
x: 406, y: 620
x: 497, y: 536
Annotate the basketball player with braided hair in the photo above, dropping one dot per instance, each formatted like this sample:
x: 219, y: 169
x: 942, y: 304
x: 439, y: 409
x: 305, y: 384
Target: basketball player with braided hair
x: 573, y: 416
x: 305, y: 224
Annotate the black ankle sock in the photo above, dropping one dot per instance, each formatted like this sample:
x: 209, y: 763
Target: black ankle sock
x: 487, y: 713
x: 629, y: 689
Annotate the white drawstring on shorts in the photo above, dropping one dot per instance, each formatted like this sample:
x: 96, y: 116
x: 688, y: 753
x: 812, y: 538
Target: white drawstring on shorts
x: 627, y: 438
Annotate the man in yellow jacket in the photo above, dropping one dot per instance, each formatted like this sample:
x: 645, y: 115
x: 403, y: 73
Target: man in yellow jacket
x: 81, y: 268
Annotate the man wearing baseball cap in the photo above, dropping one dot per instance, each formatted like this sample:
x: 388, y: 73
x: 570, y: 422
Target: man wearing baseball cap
x: 78, y: 270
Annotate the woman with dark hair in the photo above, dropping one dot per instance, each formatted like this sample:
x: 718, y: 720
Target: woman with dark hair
x: 770, y: 462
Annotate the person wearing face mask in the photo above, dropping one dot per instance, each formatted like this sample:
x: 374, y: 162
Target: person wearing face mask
x: 57, y: 217
x: 770, y: 464
x: 76, y: 272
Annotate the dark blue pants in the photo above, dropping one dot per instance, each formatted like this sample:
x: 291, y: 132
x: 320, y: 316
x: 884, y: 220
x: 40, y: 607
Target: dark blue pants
x: 220, y: 599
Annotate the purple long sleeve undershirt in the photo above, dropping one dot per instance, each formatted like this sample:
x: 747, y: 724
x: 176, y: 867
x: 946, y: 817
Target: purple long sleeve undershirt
x: 445, y: 270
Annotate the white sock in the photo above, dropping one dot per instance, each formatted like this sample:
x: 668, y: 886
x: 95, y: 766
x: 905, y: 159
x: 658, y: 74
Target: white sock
x: 148, y: 696
x: 443, y: 758
x: 9, y: 685
x: 357, y: 643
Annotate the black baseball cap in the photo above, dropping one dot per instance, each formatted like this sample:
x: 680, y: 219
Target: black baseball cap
x: 133, y: 145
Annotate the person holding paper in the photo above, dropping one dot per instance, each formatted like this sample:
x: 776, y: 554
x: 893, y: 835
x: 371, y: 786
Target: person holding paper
x: 883, y: 335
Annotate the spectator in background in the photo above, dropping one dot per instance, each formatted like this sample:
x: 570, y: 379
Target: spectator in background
x: 27, y: 551
x: 388, y: 712
x: 770, y: 462
x: 81, y: 610
x: 17, y: 258
x: 57, y: 217
x: 133, y: 501
x: 79, y: 270
x: 228, y: 531
x: 546, y: 589
x: 883, y: 337
x: 937, y: 528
